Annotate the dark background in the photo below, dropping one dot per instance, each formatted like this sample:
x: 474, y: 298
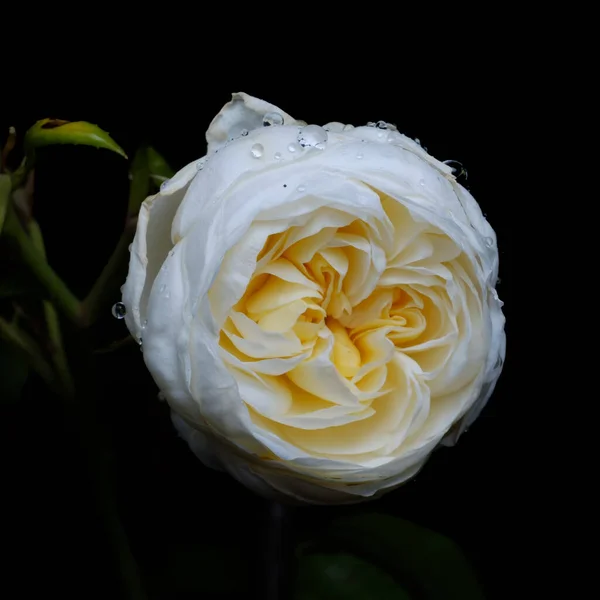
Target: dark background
x: 476, y: 493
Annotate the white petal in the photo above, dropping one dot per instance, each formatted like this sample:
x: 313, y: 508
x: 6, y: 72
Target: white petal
x: 242, y: 112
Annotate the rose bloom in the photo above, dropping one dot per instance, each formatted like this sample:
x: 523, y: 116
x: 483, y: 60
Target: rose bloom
x: 317, y: 304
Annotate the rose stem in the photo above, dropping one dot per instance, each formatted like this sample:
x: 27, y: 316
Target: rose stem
x: 278, y: 553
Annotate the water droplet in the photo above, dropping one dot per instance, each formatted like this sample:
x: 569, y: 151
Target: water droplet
x: 457, y: 169
x: 200, y: 164
x: 272, y: 118
x: 118, y: 310
x: 301, y: 188
x: 244, y: 132
x: 144, y: 324
x: 371, y: 124
x: 162, y: 288
x: 257, y: 150
x: 294, y: 148
x: 359, y: 155
x: 164, y: 184
x: 313, y: 136
x: 489, y: 242
x: 381, y: 134
x: 348, y: 127
x: 277, y: 156
x: 386, y: 125
x: 422, y: 182
x: 334, y: 126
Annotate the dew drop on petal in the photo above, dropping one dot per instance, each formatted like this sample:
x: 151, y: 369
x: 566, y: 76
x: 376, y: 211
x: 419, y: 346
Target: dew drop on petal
x: 334, y: 126
x: 294, y: 148
x: 348, y: 127
x: 118, y: 310
x: 164, y: 184
x: 257, y: 150
x: 272, y: 118
x: 277, y: 156
x: 301, y: 188
x: 313, y: 136
x: 359, y: 155
x: 422, y: 182
x: 457, y: 169
x: 489, y: 242
x: 162, y: 288
x: 200, y: 164
x: 244, y: 132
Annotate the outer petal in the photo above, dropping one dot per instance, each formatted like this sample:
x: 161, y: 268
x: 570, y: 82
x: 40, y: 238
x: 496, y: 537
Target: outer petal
x: 151, y: 245
x: 243, y: 112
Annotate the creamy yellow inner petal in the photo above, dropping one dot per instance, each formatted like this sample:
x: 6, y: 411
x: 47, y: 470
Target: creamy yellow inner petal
x: 344, y: 338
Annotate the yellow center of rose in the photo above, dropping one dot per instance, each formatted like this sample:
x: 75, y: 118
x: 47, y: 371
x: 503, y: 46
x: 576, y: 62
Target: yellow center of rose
x: 341, y: 328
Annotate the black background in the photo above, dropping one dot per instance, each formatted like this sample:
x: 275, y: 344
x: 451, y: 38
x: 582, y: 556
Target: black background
x: 476, y: 493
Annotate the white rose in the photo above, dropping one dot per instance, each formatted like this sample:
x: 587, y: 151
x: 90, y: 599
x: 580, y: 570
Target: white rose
x: 317, y: 305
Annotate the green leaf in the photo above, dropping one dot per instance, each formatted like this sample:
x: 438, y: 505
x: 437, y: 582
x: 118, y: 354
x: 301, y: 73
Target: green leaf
x: 14, y: 371
x: 5, y: 187
x: 139, y: 174
x: 428, y: 563
x: 19, y: 283
x: 48, y: 132
x: 160, y: 170
x: 344, y: 577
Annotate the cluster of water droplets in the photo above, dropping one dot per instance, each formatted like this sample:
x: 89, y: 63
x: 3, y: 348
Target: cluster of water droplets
x: 309, y: 136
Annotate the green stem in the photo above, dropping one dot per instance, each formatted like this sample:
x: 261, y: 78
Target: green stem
x: 91, y: 440
x: 59, y: 292
x: 57, y: 351
x: 107, y: 285
x: 26, y: 344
